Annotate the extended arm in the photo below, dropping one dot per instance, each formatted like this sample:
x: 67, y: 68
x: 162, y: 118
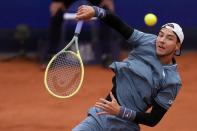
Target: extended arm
x: 116, y: 23
x: 87, y: 12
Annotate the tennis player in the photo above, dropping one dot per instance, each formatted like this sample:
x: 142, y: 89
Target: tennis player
x: 148, y: 78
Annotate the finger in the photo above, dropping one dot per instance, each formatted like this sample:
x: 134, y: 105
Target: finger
x: 79, y: 13
x: 80, y: 7
x: 102, y: 105
x: 102, y: 113
x: 104, y: 101
x: 80, y: 17
x: 112, y: 96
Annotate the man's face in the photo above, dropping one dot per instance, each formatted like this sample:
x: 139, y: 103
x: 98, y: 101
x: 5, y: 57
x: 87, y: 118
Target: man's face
x: 166, y: 42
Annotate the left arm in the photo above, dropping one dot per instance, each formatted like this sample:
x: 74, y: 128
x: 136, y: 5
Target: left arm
x: 113, y: 108
x: 152, y: 118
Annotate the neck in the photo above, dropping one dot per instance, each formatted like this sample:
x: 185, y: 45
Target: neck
x: 166, y: 60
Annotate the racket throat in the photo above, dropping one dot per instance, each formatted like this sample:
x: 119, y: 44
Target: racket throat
x: 76, y: 34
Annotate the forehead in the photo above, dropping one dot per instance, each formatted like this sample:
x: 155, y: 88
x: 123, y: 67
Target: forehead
x: 167, y: 32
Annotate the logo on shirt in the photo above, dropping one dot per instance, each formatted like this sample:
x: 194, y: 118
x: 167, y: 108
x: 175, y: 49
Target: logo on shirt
x: 163, y: 73
x: 170, y: 102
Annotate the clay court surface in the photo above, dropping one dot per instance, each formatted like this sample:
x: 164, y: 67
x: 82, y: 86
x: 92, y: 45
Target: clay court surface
x: 27, y: 106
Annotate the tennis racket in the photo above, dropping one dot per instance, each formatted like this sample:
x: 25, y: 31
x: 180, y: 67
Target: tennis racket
x: 65, y: 71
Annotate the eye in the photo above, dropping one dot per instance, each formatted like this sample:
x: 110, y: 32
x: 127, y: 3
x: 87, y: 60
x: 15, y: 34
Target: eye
x: 170, y: 38
x: 160, y: 35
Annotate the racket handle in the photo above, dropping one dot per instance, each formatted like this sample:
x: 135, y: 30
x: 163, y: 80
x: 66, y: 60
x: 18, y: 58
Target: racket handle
x: 78, y: 27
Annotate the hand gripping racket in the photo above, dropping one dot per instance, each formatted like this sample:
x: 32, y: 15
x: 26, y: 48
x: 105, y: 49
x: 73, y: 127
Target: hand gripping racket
x: 65, y: 71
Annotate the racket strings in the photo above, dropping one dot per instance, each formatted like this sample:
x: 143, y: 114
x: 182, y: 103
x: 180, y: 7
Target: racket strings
x: 64, y: 74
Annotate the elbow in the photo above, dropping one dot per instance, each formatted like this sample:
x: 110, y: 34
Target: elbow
x: 150, y: 123
x: 153, y: 123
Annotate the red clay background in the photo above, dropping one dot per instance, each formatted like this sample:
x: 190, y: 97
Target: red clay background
x: 27, y: 106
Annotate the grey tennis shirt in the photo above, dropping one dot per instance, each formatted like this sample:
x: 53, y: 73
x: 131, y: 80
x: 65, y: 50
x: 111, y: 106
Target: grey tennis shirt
x: 140, y: 79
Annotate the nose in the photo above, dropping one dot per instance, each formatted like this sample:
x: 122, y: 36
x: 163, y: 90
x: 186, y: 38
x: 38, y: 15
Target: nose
x: 161, y: 40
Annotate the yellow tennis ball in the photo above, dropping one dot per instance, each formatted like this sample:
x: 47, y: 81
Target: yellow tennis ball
x: 150, y: 19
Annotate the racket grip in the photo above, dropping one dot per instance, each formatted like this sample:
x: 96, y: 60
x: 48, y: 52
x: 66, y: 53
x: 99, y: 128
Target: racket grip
x: 78, y: 27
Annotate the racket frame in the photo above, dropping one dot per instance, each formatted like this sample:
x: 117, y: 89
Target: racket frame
x: 77, y: 54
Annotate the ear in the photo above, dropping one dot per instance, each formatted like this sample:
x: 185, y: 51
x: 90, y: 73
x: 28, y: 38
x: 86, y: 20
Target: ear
x: 178, y: 45
x: 178, y: 49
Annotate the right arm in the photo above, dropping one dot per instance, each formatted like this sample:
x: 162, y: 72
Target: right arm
x: 87, y: 12
x: 116, y: 23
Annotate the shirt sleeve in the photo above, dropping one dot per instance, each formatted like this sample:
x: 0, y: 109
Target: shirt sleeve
x: 152, y: 118
x: 133, y: 36
x: 167, y: 95
x: 141, y: 38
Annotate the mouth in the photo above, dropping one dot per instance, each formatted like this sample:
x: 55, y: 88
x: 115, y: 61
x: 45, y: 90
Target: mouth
x: 161, y: 47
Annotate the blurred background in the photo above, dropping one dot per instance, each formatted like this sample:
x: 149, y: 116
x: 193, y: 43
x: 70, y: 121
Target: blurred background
x: 24, y: 37
x: 32, y: 18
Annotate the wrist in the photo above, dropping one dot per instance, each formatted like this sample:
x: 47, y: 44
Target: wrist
x: 99, y: 12
x: 126, y: 113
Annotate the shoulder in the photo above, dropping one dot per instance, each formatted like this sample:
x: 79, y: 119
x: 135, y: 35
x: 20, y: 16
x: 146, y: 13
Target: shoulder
x: 139, y: 36
x: 170, y: 86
